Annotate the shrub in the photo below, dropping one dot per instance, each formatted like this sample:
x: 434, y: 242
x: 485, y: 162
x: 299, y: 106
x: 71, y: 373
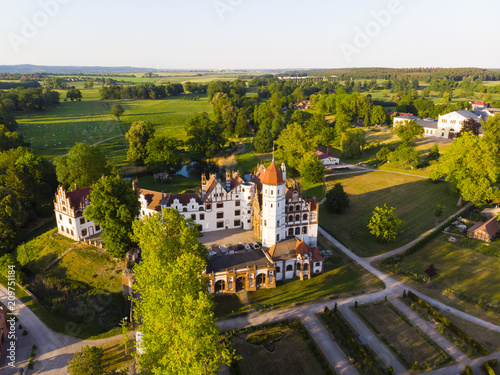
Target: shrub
x: 431, y: 270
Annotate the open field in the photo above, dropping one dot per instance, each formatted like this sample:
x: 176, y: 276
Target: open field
x: 341, y: 278
x: 55, y: 130
x: 405, y: 340
x: 462, y: 266
x: 414, y: 199
x: 291, y: 355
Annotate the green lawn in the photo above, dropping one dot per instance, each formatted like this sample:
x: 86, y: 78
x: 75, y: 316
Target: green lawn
x: 81, y: 294
x: 228, y: 304
x: 414, y: 199
x: 463, y: 266
x: 341, y: 276
x: 180, y: 184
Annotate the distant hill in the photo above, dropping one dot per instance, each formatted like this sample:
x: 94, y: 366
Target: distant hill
x: 28, y: 68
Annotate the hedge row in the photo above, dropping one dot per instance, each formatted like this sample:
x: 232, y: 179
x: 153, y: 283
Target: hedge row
x: 468, y: 370
x: 486, y: 366
x: 446, y: 322
x: 360, y: 354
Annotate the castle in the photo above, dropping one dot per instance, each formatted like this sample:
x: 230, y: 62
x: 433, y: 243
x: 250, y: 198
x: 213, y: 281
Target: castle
x: 286, y: 223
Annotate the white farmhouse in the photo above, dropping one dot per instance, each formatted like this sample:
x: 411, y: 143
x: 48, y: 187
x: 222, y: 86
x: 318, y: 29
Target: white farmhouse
x: 326, y: 159
x: 451, y: 123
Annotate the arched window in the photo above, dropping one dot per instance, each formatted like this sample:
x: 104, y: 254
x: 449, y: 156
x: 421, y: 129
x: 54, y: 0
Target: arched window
x: 290, y: 232
x: 184, y: 209
x: 291, y: 208
x: 290, y: 218
x: 297, y: 230
x: 306, y: 266
x: 289, y: 267
x: 304, y: 230
x: 304, y: 217
x: 297, y: 217
x: 297, y: 207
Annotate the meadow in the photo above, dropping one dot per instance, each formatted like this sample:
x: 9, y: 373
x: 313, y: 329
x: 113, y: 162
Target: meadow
x: 414, y: 199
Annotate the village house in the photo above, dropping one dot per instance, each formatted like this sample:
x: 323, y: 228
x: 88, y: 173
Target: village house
x: 451, y: 123
x: 302, y: 104
x: 326, y: 158
x: 485, y: 231
x: 478, y: 105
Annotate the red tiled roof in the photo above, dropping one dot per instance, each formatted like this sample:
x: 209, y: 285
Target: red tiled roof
x: 273, y: 175
x: 77, y: 197
x: 478, y: 102
x: 235, y: 181
x: 153, y: 198
x: 491, y: 227
x: 289, y: 249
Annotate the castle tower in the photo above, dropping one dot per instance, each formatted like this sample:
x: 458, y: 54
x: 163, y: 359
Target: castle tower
x: 273, y: 206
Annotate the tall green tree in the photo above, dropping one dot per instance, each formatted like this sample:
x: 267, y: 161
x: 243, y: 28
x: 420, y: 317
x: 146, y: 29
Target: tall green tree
x: 384, y: 224
x: 12, y: 218
x: 337, y: 200
x: 471, y: 166
x: 163, y: 154
x: 378, y: 115
x: 114, y: 206
x: 137, y: 137
x: 204, y: 135
x: 408, y: 132
x: 311, y: 168
x: 491, y: 129
x: 9, y: 139
x: 263, y: 140
x: 83, y: 165
x: 117, y: 110
x: 176, y: 311
x: 293, y: 143
x: 353, y: 143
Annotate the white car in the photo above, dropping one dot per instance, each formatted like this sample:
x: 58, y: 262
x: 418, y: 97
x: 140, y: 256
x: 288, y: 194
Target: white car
x: 223, y: 249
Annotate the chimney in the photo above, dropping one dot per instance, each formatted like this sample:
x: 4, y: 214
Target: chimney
x: 203, y: 184
x: 228, y: 178
x: 135, y: 185
x: 283, y: 171
x: 329, y: 149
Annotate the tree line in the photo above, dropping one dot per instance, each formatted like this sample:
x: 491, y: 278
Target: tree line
x: 142, y: 91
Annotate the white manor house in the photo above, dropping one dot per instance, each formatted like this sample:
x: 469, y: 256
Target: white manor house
x: 264, y: 204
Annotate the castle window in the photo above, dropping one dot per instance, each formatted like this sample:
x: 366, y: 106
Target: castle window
x: 220, y: 224
x: 304, y: 217
x: 266, y: 191
x: 290, y: 232
x: 304, y: 230
x: 62, y: 229
x: 277, y: 237
x: 237, y: 213
x: 272, y: 191
x: 237, y: 203
x: 278, y: 269
x: 312, y: 216
x: 248, y: 221
x: 60, y: 217
x: 64, y: 209
x: 265, y: 223
x: 82, y: 221
x: 193, y: 216
x: 289, y: 267
x: 84, y: 232
x: 72, y: 232
x: 271, y: 205
x: 317, y: 264
x: 297, y: 207
x: 297, y: 230
x: 220, y: 215
x: 143, y: 213
x: 237, y: 223
x: 220, y: 205
x: 70, y: 221
x: 297, y: 217
x: 291, y: 208
x: 201, y: 208
x: 97, y: 228
x: 184, y: 209
x: 290, y: 218
x: 209, y: 206
x: 202, y: 216
x: 278, y: 223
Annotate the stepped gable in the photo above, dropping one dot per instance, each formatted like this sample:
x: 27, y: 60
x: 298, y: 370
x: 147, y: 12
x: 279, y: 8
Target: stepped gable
x: 184, y: 198
x: 153, y: 198
x: 302, y: 248
x: 79, y: 198
x: 273, y: 175
x: 211, y: 184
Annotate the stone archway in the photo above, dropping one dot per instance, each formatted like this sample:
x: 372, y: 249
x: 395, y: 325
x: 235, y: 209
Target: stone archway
x: 241, y: 283
x: 261, y: 280
x: 220, y: 286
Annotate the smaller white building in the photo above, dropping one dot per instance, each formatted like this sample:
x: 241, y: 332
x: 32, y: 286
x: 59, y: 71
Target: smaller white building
x: 326, y: 159
x: 451, y: 124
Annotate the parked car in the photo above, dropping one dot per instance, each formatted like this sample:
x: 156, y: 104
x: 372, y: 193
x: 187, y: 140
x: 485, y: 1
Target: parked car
x: 247, y: 247
x: 254, y: 245
x: 223, y: 249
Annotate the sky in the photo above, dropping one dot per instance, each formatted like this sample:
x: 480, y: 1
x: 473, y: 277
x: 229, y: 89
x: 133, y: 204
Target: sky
x: 250, y: 34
